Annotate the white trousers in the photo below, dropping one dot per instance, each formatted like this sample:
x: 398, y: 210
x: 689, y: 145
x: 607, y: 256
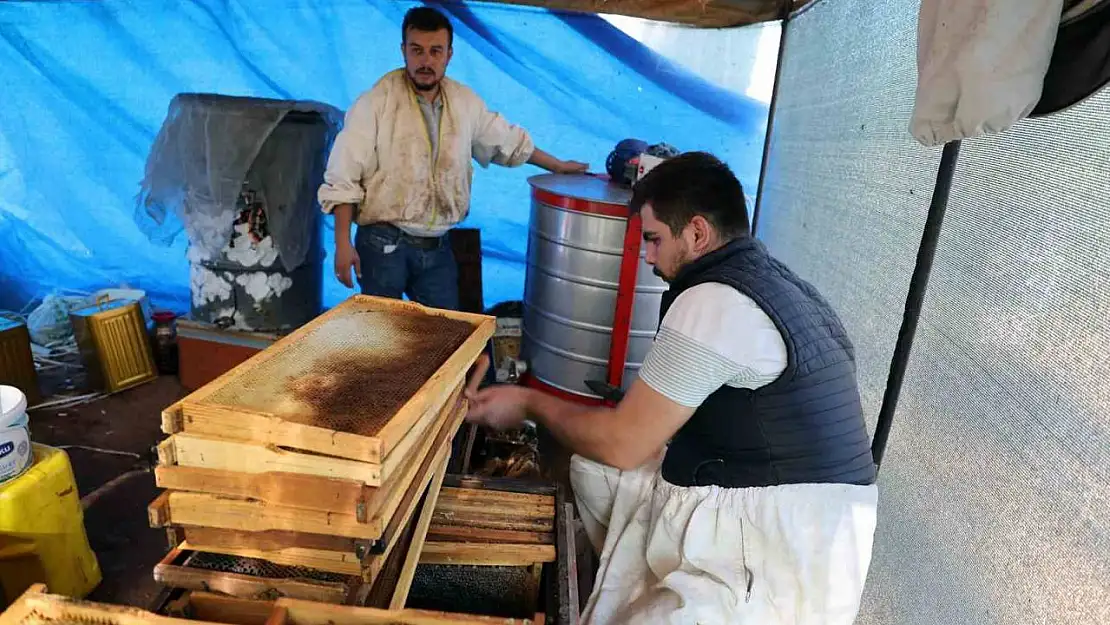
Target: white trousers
x: 795, y: 554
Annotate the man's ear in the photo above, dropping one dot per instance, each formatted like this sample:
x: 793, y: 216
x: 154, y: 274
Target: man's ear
x: 703, y: 233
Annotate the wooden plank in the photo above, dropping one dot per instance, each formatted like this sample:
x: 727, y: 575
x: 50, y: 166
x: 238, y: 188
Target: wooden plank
x: 506, y: 484
x: 501, y: 499
x: 291, y: 490
x: 384, y: 585
x: 215, y: 538
x: 200, y: 415
x: 158, y: 511
x: 344, y: 563
x: 310, y: 613
x: 407, y: 507
x: 495, y: 510
x: 493, y: 507
x: 486, y: 555
x: 36, y: 606
x: 385, y: 502
x: 448, y: 517
x: 334, y: 554
x: 279, y: 616
x: 246, y: 586
x: 566, y: 562
x: 404, y: 581
x: 173, y: 536
x: 464, y: 534
x: 537, y: 577
x: 256, y: 427
x: 208, y: 452
x: 206, y: 606
x: 17, y: 612
x: 203, y: 509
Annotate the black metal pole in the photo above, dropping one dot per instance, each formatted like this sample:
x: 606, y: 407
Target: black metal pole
x: 915, y: 297
x: 770, y: 124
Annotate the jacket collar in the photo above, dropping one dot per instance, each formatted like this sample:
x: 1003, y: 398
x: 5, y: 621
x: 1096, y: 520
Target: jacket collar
x: 721, y: 255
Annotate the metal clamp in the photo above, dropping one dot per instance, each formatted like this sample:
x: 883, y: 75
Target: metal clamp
x: 606, y: 391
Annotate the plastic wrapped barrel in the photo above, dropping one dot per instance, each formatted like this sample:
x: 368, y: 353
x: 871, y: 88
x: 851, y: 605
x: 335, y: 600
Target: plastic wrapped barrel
x: 591, y: 302
x: 248, y: 286
x: 241, y: 174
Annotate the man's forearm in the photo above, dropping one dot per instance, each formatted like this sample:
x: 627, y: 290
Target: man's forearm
x: 586, y: 431
x: 542, y: 159
x: 344, y: 214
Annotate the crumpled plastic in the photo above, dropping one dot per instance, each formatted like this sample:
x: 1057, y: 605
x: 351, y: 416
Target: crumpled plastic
x: 209, y: 145
x: 48, y: 323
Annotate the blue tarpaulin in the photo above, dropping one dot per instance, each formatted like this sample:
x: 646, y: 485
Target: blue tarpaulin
x: 86, y: 86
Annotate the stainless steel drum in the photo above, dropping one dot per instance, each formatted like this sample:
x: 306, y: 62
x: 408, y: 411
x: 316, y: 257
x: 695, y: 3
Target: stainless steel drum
x: 576, y: 247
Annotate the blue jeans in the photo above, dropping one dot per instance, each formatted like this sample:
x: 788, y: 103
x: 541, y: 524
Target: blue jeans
x: 395, y: 264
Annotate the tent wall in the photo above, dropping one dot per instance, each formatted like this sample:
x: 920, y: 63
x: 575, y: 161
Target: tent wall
x: 995, y: 489
x: 82, y: 109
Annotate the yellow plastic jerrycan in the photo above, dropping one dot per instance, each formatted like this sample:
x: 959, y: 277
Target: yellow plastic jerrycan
x: 42, y: 530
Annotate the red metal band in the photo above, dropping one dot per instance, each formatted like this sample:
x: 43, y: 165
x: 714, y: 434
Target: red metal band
x: 626, y: 297
x: 576, y: 204
x: 531, y: 382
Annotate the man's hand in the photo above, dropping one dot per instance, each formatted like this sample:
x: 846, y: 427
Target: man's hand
x: 571, y: 167
x: 345, y: 258
x: 540, y: 158
x: 502, y: 407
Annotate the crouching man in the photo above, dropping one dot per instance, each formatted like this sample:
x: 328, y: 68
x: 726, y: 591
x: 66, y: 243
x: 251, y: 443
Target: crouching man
x: 734, y: 482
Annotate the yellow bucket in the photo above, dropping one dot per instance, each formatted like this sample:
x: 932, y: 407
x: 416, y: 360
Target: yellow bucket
x: 42, y: 530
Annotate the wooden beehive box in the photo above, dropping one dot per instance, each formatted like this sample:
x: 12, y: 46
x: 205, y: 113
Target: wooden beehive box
x: 350, y: 384
x: 35, y: 607
x: 318, y: 450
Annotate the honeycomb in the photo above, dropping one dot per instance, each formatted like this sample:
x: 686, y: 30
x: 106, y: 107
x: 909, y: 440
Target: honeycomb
x: 255, y: 567
x: 505, y: 591
x: 352, y: 372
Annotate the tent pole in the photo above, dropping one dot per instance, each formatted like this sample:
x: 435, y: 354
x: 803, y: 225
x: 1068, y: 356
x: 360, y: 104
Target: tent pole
x: 770, y: 123
x: 915, y: 297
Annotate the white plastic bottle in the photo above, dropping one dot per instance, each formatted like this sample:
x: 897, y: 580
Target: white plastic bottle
x: 15, y: 440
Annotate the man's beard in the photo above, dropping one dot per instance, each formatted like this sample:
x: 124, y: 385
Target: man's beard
x: 415, y: 77
x: 682, y: 260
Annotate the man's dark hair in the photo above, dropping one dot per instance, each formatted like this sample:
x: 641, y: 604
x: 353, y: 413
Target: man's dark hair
x: 429, y: 20
x: 694, y: 183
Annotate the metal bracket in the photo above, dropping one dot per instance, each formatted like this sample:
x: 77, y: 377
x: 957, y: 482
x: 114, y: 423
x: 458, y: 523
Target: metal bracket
x: 607, y: 391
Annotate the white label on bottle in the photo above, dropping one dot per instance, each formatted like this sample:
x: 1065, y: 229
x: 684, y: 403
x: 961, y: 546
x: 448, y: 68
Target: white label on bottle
x: 15, y: 452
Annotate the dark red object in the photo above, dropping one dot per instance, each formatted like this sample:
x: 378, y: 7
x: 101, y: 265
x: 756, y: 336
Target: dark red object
x: 165, y: 341
x: 626, y: 297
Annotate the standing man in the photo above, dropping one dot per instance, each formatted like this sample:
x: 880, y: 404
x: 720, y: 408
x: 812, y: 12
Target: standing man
x: 734, y: 482
x: 401, y: 169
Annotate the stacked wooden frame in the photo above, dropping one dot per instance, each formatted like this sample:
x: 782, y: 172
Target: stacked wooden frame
x: 299, y: 472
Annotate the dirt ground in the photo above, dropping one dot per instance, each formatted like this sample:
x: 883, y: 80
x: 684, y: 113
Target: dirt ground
x: 115, y: 519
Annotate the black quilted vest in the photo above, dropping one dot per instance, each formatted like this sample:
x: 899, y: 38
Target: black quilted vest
x: 805, y: 427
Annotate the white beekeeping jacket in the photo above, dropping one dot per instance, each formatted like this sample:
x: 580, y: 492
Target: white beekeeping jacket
x: 981, y: 65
